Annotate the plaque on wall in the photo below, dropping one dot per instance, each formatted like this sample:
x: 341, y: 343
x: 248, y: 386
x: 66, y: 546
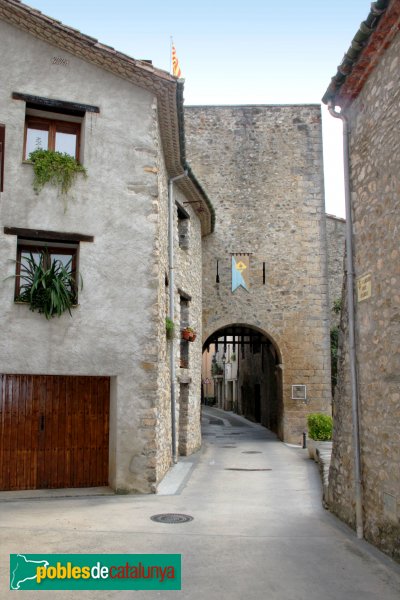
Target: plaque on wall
x: 299, y: 392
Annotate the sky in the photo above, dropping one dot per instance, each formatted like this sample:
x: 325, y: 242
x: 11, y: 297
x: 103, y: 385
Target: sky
x: 231, y: 52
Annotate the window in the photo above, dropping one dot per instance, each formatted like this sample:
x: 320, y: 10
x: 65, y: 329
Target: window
x: 2, y: 141
x: 65, y: 252
x: 183, y: 227
x: 51, y: 134
x: 184, y: 322
x: 53, y: 124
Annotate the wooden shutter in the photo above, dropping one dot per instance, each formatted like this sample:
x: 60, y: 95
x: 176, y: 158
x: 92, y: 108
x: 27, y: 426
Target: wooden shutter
x: 2, y: 141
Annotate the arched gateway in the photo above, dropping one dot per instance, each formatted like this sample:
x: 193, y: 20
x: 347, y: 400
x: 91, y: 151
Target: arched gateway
x: 265, y: 265
x: 242, y: 371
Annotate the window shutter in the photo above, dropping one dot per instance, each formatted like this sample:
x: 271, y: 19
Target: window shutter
x: 2, y: 141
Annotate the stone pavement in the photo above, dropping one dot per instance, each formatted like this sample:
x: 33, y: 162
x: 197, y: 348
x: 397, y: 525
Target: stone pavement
x: 259, y: 529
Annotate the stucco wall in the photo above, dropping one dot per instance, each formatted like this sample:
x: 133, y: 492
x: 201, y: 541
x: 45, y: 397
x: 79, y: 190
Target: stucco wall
x: 118, y: 329
x: 262, y: 166
x: 375, y: 187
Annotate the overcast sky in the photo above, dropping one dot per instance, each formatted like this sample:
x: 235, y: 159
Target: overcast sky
x: 231, y: 52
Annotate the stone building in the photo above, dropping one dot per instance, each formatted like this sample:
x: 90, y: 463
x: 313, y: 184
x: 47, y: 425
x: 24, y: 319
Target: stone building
x: 85, y: 399
x: 367, y: 88
x: 335, y: 237
x: 262, y: 165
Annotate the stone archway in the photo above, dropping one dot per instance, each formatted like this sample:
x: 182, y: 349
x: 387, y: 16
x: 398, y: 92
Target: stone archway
x: 243, y: 365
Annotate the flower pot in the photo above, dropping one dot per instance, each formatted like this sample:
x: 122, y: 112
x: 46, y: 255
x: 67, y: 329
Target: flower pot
x: 188, y: 335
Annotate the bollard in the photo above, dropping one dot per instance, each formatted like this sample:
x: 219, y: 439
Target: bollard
x: 304, y: 439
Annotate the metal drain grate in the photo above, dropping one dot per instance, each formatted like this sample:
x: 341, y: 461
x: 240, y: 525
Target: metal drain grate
x: 228, y: 446
x: 171, y: 518
x: 238, y: 469
x: 251, y: 452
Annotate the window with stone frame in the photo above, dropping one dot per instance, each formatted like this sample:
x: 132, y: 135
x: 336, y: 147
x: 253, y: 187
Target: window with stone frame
x: 183, y: 227
x: 184, y: 322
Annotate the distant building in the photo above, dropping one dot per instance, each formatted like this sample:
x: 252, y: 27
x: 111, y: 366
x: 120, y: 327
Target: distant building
x: 367, y: 88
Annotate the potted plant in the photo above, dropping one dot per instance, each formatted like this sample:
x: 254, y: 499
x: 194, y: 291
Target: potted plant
x: 169, y: 328
x: 320, y: 428
x: 47, y: 286
x: 189, y: 334
x: 57, y: 168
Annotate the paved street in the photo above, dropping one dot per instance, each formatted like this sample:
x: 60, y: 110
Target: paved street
x: 259, y: 530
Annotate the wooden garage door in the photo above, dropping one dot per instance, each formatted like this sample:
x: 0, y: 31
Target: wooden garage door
x: 53, y: 431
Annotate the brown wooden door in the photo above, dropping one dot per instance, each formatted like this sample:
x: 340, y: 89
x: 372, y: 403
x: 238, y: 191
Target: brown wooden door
x: 53, y: 431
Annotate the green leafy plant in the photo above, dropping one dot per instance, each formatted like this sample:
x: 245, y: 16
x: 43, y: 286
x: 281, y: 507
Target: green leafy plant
x: 337, y: 306
x: 319, y: 427
x: 57, y: 168
x: 47, y: 286
x: 169, y: 328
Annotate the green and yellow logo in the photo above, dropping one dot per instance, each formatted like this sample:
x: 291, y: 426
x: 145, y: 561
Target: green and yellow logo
x: 95, y: 571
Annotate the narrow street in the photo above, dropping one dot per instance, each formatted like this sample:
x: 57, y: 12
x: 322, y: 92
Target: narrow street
x: 258, y: 530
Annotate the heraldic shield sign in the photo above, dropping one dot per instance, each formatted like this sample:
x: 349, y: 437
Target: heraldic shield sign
x: 240, y: 271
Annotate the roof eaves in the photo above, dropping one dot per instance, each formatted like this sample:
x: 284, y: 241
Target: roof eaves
x: 355, y: 50
x: 166, y: 87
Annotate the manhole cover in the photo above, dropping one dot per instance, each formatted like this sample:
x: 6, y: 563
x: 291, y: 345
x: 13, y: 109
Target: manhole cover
x: 171, y: 518
x: 227, y: 446
x: 251, y: 452
x: 216, y: 422
x: 238, y: 469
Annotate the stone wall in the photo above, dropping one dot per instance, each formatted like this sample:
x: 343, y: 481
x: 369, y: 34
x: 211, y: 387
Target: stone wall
x: 375, y: 194
x: 335, y: 234
x: 262, y: 166
x: 187, y: 274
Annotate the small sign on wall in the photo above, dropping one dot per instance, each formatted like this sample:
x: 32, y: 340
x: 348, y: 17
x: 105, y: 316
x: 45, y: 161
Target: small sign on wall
x: 364, y: 287
x: 299, y: 392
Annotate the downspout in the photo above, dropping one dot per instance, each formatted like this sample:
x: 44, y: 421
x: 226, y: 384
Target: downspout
x: 350, y: 305
x: 171, y: 229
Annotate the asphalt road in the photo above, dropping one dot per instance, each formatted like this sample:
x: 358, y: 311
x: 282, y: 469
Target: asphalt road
x: 258, y: 531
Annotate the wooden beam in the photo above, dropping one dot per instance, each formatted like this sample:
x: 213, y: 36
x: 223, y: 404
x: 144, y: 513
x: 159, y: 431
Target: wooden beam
x: 49, y: 103
x: 44, y: 235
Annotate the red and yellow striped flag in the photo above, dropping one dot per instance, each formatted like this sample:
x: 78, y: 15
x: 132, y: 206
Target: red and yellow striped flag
x: 176, y: 70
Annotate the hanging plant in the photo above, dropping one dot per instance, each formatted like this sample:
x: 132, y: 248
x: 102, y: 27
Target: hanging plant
x: 47, y: 286
x: 58, y: 168
x: 169, y: 328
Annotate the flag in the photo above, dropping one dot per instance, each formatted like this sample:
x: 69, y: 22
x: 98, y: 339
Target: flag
x: 176, y: 70
x: 240, y: 272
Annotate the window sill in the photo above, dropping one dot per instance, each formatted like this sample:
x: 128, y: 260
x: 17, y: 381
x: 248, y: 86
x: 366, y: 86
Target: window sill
x: 27, y: 303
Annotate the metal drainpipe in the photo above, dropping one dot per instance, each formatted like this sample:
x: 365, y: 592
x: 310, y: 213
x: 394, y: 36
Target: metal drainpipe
x: 171, y: 229
x: 350, y: 303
